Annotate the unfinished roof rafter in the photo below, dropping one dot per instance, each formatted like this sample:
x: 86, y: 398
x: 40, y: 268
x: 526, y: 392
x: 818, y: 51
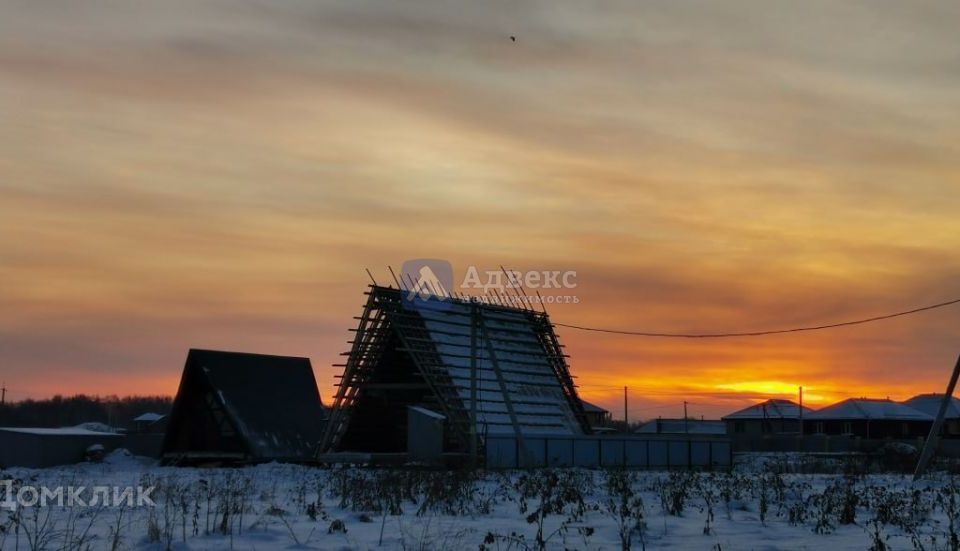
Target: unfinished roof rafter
x: 440, y: 352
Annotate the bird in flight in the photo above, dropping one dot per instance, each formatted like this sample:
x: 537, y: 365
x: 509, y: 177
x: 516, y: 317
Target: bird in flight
x: 513, y: 39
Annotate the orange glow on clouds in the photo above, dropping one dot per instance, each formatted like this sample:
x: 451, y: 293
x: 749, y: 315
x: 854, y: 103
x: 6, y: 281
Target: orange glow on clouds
x: 219, y: 176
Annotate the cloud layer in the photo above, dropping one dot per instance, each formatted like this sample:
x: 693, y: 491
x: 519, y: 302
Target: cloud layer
x: 218, y: 175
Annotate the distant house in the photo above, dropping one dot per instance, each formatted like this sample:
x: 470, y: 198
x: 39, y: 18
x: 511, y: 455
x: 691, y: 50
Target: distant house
x: 47, y: 447
x: 769, y: 417
x: 868, y: 418
x: 683, y: 426
x: 149, y: 423
x: 145, y: 434
x: 930, y: 404
x: 596, y: 415
x: 238, y: 407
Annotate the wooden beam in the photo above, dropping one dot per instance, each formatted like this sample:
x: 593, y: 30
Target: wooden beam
x: 930, y: 445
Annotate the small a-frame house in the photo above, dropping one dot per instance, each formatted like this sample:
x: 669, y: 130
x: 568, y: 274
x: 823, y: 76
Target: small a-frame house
x: 238, y: 407
x: 487, y: 369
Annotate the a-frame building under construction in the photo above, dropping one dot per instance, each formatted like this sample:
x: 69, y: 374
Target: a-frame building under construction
x: 488, y: 369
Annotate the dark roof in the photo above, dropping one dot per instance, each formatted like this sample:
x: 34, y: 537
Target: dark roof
x: 868, y: 408
x: 770, y: 409
x: 272, y: 402
x: 538, y: 399
x: 930, y: 404
x: 149, y: 417
x: 592, y: 408
x: 679, y: 426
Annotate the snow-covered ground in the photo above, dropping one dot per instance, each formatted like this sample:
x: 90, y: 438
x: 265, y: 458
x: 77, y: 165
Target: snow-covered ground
x: 293, y: 507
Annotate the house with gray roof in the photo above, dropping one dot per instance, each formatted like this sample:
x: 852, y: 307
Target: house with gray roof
x: 683, y: 426
x: 597, y: 416
x: 773, y: 416
x: 930, y: 404
x: 869, y: 418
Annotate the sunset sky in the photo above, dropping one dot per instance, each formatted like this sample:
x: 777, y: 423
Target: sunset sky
x: 218, y: 174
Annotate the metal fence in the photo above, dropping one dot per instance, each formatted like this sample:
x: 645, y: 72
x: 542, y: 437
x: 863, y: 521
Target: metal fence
x: 820, y: 443
x: 638, y: 452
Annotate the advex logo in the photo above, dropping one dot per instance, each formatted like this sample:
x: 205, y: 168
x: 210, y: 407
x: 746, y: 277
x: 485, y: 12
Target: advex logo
x: 426, y: 278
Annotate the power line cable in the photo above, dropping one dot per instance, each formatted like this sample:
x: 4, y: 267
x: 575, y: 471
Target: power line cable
x: 758, y: 333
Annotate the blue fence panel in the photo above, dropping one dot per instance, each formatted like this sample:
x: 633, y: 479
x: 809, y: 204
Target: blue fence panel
x: 679, y: 455
x: 535, y: 452
x: 502, y: 453
x: 700, y: 454
x: 721, y: 454
x: 658, y: 454
x: 586, y: 453
x: 611, y: 452
x: 636, y: 453
x: 560, y: 453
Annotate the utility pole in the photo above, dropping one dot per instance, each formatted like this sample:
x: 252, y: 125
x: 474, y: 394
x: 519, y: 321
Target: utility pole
x: 930, y: 445
x: 626, y: 418
x: 3, y: 396
x: 686, y: 430
x: 801, y: 411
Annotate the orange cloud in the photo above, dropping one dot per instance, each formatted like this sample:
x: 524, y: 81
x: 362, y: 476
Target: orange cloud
x: 178, y: 176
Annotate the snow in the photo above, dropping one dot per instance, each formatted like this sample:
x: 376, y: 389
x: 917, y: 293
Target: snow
x: 862, y: 408
x: 679, y: 426
x: 536, y: 395
x: 297, y: 507
x: 148, y: 417
x: 930, y: 404
x: 95, y: 426
x: 65, y: 431
x: 778, y: 409
x: 428, y: 413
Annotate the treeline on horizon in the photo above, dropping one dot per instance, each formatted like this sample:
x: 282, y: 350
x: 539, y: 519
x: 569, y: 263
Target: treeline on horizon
x: 68, y: 411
